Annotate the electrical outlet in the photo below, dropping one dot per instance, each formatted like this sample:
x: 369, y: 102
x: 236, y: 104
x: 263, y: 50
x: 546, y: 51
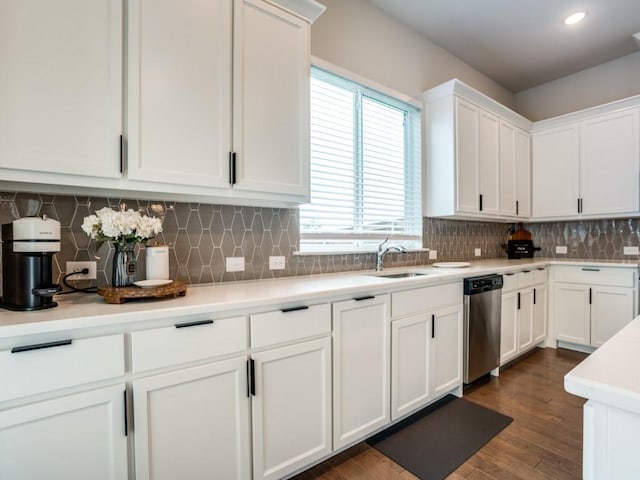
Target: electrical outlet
x: 276, y: 263
x: 433, y: 254
x: 561, y: 249
x: 78, y: 267
x: 478, y: 252
x: 630, y: 250
x: 234, y: 264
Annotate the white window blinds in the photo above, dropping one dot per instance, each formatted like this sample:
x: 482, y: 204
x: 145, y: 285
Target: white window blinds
x: 365, y: 168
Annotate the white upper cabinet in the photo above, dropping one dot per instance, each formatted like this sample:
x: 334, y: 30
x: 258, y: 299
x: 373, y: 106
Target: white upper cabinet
x: 477, y: 156
x: 610, y: 163
x: 179, y: 87
x: 515, y: 171
x: 60, y: 87
x: 271, y: 100
x: 555, y: 172
x: 588, y: 167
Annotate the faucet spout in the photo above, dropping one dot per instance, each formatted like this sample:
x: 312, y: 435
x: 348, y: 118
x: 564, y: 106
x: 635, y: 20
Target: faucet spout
x: 382, y: 251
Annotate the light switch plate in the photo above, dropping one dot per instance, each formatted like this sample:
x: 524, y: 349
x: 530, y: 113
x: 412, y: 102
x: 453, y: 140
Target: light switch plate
x: 630, y: 250
x: 276, y: 263
x: 234, y: 264
x: 561, y: 249
x: 433, y: 254
x: 478, y: 252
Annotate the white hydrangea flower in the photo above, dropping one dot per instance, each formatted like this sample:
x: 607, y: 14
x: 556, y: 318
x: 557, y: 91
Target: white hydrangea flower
x: 128, y: 226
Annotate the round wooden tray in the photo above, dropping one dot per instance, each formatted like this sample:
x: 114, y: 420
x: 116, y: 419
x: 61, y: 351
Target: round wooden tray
x: 122, y: 294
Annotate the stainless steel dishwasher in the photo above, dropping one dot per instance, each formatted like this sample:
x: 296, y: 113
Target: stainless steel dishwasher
x: 482, y: 310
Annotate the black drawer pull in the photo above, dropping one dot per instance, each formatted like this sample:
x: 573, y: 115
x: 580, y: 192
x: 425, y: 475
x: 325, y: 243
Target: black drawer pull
x: 590, y: 269
x: 540, y: 268
x: 368, y: 297
x: 526, y: 271
x: 294, y: 309
x: 40, y: 346
x: 193, y: 324
x: 509, y: 274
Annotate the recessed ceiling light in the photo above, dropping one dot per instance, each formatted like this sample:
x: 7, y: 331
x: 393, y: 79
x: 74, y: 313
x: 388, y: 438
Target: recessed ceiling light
x: 574, y: 18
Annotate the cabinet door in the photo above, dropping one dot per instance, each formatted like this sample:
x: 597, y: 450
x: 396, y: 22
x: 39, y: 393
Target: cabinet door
x: 611, y: 309
x: 523, y: 173
x: 361, y: 364
x: 525, y: 319
x: 555, y: 170
x: 572, y: 313
x: 446, y: 350
x: 271, y: 100
x: 193, y: 423
x: 61, y: 86
x: 75, y: 437
x: 539, y: 313
x: 508, y: 167
x: 467, y: 166
x: 410, y: 338
x: 179, y: 87
x: 610, y: 163
x: 489, y: 160
x: 508, y: 327
x: 291, y: 408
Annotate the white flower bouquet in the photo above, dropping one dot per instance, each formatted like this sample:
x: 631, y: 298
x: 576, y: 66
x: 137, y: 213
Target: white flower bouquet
x: 120, y: 227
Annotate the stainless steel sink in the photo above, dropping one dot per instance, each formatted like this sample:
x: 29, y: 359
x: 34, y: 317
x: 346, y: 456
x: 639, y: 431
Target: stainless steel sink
x: 401, y: 275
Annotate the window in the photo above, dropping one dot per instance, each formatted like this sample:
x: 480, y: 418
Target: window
x: 365, y: 168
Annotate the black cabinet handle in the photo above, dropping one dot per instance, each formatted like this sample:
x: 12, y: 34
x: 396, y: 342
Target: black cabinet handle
x: 590, y: 269
x: 249, y: 378
x: 517, y: 207
x: 518, y: 300
x: 540, y: 268
x: 121, y: 153
x: 294, y: 309
x: 480, y: 202
x: 509, y: 274
x: 534, y: 296
x: 126, y: 422
x: 194, y: 324
x: 40, y: 346
x: 368, y: 297
x: 590, y: 296
x: 252, y: 377
x: 433, y: 326
x: 232, y: 168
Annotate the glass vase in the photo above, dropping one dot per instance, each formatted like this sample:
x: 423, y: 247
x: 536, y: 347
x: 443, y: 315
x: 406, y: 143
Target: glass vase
x: 124, y: 265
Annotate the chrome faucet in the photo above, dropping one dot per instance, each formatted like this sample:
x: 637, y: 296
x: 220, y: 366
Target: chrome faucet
x: 382, y: 251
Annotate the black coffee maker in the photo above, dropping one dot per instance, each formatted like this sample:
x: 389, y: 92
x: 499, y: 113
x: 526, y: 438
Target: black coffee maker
x: 28, y: 245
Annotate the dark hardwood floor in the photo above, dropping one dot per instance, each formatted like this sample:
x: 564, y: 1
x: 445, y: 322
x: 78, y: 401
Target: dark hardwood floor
x: 544, y: 441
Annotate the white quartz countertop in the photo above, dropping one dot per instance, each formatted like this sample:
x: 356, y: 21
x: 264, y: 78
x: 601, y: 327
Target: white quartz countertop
x: 79, y: 311
x: 610, y: 375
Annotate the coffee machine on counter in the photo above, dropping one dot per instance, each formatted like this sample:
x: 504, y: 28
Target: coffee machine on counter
x: 28, y: 245
x: 519, y: 243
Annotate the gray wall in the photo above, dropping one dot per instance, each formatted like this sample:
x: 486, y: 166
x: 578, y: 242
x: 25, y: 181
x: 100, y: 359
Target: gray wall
x: 601, y: 84
x: 357, y: 36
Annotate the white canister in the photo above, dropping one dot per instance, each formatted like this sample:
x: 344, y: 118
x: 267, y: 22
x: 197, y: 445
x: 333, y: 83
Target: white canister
x: 158, y: 263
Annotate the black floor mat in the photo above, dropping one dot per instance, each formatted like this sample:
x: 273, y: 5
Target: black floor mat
x: 434, y: 442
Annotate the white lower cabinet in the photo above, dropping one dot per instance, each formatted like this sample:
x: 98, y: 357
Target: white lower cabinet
x: 592, y: 304
x: 193, y: 423
x: 291, y: 405
x: 426, y: 347
x: 524, y: 313
x: 74, y: 437
x: 361, y: 349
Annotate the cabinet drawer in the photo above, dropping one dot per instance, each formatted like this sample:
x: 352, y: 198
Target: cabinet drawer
x: 187, y: 341
x: 425, y: 299
x: 43, y: 367
x: 621, y: 277
x: 540, y: 275
x: 509, y: 282
x: 526, y: 278
x: 290, y: 324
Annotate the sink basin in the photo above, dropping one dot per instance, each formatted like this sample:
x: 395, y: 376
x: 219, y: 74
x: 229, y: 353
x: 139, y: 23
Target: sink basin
x: 402, y: 275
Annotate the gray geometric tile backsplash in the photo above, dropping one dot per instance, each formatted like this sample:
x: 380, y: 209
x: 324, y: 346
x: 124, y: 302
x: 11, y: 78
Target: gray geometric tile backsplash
x: 200, y: 236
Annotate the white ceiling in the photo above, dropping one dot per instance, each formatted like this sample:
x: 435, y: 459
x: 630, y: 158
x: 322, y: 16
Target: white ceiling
x: 523, y: 43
